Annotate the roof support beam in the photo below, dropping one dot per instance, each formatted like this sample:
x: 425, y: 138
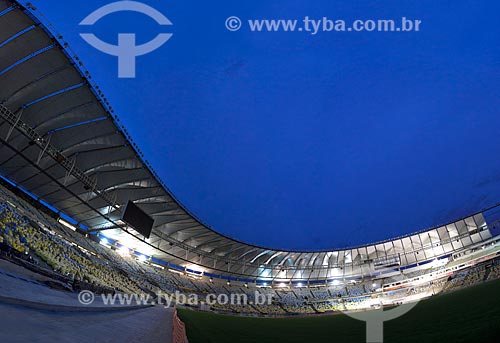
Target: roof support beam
x: 29, y: 132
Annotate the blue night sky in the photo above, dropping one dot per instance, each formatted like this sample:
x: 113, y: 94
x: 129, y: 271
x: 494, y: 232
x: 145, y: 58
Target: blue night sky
x: 310, y: 142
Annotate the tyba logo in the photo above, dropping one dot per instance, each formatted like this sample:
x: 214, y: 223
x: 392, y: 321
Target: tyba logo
x: 127, y: 51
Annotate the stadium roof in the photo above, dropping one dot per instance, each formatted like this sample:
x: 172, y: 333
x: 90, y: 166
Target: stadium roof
x: 62, y: 142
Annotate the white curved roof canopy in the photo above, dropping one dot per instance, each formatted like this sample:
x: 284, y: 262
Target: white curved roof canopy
x: 61, y: 142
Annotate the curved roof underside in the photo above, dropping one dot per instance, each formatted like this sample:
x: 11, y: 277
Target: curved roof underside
x: 61, y: 142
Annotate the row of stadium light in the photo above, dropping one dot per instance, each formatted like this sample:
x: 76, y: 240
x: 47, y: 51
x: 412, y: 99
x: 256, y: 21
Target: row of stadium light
x: 125, y: 251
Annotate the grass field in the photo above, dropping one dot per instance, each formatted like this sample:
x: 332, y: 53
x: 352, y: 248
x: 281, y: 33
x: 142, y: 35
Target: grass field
x: 470, y: 315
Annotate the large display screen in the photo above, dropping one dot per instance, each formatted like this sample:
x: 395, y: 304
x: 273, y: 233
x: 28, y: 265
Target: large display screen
x: 138, y: 219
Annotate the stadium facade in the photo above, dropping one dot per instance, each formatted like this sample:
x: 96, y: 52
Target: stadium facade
x: 62, y: 143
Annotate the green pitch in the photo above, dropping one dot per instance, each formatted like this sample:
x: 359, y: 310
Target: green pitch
x: 470, y: 315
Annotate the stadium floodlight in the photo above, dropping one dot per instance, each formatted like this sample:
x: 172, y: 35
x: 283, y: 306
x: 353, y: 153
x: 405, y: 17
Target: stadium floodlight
x: 282, y: 284
x: 194, y: 269
x: 299, y: 284
x: 436, y: 263
x: 105, y: 242
x: 67, y: 224
x: 124, y: 251
x: 335, y: 282
x: 142, y: 258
